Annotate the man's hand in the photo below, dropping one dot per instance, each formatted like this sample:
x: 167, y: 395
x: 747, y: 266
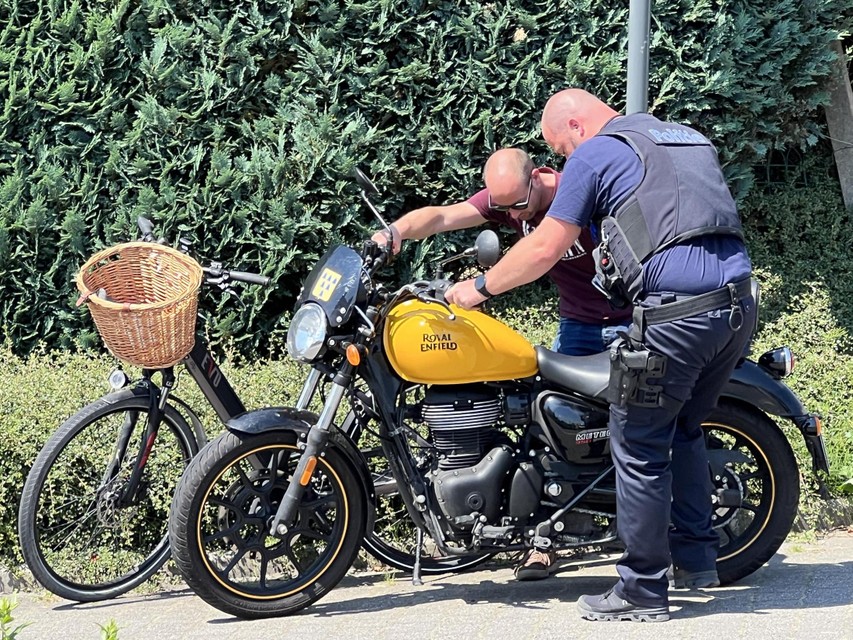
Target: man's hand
x: 463, y: 294
x: 381, y: 238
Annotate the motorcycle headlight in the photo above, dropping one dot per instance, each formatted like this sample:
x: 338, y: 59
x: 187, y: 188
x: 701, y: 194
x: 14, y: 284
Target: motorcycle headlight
x: 307, y: 333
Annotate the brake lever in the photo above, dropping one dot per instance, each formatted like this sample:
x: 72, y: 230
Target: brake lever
x: 423, y: 297
x: 226, y: 288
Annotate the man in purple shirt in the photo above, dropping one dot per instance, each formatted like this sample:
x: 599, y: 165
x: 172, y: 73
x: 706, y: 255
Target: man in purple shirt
x: 518, y: 195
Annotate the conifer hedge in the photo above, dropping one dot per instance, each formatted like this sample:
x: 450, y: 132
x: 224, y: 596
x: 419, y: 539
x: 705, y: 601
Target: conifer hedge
x: 238, y: 123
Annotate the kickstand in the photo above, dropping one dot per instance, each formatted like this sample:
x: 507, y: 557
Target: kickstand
x: 416, y: 570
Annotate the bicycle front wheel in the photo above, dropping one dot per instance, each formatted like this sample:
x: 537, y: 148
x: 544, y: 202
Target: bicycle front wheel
x: 80, y: 535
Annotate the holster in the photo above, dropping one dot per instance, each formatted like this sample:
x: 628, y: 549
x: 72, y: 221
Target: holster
x: 631, y: 365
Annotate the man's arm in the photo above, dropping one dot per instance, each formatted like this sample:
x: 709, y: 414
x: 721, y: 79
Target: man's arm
x: 427, y: 221
x: 530, y: 258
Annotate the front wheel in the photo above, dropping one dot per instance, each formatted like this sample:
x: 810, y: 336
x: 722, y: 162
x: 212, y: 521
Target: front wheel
x: 760, y: 468
x: 223, y: 507
x: 81, y: 538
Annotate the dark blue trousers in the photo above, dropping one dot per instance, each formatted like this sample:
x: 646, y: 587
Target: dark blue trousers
x: 663, y: 483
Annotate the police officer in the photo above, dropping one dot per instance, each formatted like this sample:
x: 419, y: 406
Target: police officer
x: 671, y: 243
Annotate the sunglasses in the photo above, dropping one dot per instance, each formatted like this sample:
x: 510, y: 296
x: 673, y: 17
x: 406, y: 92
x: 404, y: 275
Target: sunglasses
x: 521, y: 204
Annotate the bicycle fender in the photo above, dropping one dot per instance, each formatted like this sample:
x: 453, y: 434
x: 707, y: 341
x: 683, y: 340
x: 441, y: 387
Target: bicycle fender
x: 752, y: 385
x: 293, y: 424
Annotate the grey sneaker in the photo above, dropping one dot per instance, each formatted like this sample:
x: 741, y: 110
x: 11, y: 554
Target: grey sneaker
x: 610, y: 607
x: 683, y: 579
x: 536, y: 565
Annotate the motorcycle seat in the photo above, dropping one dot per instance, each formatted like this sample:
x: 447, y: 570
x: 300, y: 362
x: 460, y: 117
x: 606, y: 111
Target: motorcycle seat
x: 587, y: 375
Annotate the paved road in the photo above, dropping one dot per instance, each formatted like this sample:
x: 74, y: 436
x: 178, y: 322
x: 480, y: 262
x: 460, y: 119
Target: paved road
x: 805, y: 591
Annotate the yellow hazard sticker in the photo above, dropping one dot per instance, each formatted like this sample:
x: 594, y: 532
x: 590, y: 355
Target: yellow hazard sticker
x: 326, y: 284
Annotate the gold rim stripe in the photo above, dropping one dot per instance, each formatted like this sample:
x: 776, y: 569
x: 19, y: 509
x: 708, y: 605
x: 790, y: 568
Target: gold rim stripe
x: 278, y: 596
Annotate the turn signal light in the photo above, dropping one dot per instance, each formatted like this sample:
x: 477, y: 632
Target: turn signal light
x: 353, y: 355
x: 309, y: 471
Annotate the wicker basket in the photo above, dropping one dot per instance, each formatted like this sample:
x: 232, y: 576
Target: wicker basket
x: 143, y: 298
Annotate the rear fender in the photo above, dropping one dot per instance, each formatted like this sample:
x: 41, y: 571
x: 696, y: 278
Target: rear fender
x: 754, y: 386
x: 751, y: 384
x: 294, y: 424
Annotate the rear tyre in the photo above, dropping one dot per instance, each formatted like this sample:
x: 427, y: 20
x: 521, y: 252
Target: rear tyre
x: 77, y: 538
x: 219, y: 526
x: 761, y: 466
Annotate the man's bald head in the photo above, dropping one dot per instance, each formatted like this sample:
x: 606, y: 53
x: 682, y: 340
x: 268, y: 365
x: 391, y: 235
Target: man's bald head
x: 508, y: 165
x: 571, y: 117
x: 509, y: 177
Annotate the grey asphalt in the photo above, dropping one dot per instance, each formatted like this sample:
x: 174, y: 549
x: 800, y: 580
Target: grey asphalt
x: 805, y: 591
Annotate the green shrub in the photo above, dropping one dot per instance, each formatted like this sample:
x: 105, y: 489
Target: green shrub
x: 238, y: 124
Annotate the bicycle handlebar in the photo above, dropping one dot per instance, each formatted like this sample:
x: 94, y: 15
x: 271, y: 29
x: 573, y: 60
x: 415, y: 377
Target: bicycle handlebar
x: 216, y: 274
x: 251, y: 278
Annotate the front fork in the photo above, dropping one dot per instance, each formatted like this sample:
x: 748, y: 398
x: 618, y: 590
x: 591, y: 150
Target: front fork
x: 313, y: 447
x: 158, y: 397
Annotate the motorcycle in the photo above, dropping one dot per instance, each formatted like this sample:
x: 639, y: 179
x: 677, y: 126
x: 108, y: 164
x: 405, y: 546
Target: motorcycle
x: 489, y: 444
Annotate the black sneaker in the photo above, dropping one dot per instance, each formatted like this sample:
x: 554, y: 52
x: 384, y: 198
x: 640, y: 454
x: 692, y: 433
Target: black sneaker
x: 611, y: 607
x: 683, y: 579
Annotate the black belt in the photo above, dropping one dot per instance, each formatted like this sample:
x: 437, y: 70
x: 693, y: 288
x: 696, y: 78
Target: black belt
x: 730, y: 295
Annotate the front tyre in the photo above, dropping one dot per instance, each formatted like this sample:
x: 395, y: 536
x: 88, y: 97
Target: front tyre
x: 219, y: 526
x: 761, y: 468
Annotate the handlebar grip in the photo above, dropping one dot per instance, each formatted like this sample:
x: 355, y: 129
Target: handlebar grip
x: 251, y: 278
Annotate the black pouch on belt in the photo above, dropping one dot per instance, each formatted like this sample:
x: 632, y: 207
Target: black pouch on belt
x: 631, y: 364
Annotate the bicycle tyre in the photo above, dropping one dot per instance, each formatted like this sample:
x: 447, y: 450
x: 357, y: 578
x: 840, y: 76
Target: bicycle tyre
x: 127, y: 545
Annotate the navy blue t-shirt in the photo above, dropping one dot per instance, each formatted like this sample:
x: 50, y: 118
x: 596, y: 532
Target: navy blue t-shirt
x: 598, y: 176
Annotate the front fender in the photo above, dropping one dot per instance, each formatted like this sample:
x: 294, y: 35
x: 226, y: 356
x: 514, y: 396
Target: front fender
x: 294, y: 424
x: 751, y: 384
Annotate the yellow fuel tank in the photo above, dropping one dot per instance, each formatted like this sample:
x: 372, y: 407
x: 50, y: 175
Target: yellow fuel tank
x: 424, y: 345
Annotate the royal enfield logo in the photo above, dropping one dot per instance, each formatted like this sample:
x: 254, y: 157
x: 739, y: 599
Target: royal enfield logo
x: 587, y: 437
x: 575, y: 251
x: 438, y: 342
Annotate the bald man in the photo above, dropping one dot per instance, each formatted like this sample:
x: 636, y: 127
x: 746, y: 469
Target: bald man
x: 672, y: 245
x: 518, y: 195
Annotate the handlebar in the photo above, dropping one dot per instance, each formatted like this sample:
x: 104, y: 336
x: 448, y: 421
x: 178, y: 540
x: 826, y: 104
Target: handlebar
x: 216, y: 274
x: 251, y: 278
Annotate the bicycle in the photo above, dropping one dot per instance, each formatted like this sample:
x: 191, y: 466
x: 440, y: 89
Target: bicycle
x: 94, y: 508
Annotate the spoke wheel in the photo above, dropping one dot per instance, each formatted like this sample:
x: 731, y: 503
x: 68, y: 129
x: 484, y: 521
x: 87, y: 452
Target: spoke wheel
x: 760, y: 467
x: 220, y: 526
x: 78, y: 536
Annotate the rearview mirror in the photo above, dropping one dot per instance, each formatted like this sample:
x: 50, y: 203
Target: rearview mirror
x: 488, y: 248
x: 365, y: 183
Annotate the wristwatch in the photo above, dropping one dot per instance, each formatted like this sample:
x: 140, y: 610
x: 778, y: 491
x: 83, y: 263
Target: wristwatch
x: 480, y: 285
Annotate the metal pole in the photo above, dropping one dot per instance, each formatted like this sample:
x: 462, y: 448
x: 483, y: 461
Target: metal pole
x: 639, y: 25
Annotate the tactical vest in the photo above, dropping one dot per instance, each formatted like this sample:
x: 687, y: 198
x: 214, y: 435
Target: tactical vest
x: 682, y: 195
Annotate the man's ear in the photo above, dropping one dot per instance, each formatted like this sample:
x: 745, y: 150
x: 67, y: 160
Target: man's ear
x: 577, y: 127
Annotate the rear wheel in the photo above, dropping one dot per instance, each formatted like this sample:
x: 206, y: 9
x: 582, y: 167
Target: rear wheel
x: 78, y: 536
x: 219, y: 526
x: 758, y: 464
